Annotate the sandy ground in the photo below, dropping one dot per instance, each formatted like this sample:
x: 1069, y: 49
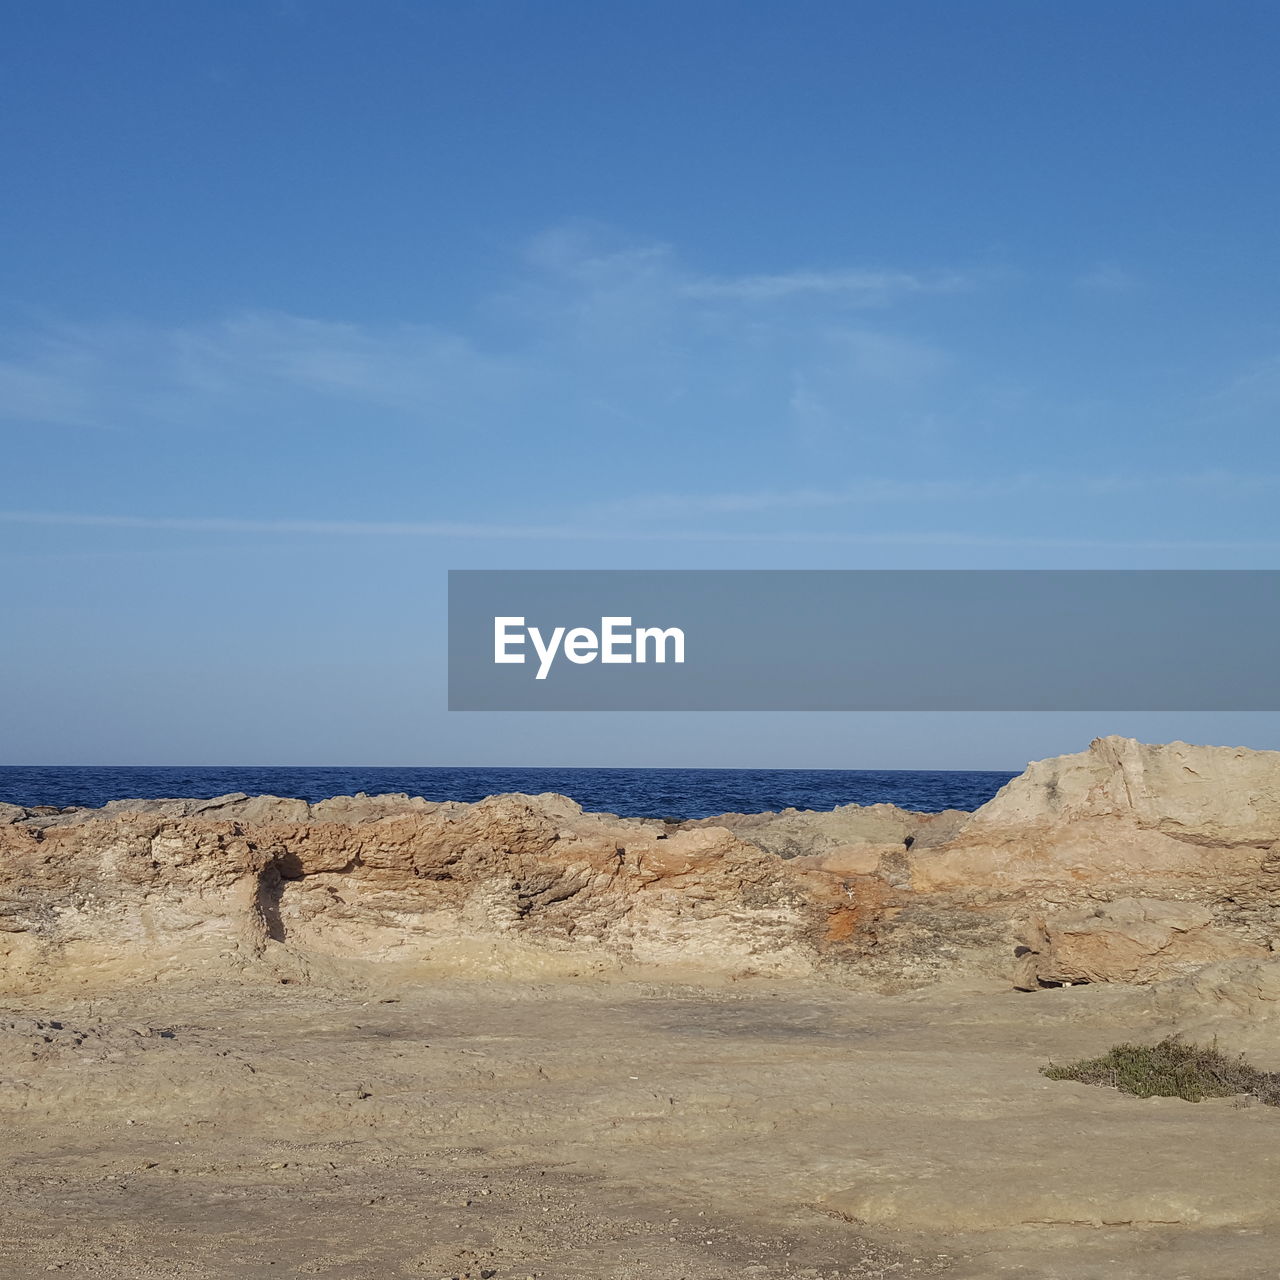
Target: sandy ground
x: 479, y: 1128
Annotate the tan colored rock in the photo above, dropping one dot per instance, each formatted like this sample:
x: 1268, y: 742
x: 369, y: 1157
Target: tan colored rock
x: 238, y: 807
x: 847, y: 859
x: 1129, y: 940
x: 366, y: 808
x: 1234, y: 1004
x: 1214, y: 795
x: 1113, y: 854
x: 1121, y: 812
x: 1187, y: 825
x: 1114, y: 880
x: 419, y: 886
x: 793, y: 833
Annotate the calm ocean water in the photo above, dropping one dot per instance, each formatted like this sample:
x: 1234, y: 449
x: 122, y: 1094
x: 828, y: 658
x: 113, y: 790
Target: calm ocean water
x: 637, y: 793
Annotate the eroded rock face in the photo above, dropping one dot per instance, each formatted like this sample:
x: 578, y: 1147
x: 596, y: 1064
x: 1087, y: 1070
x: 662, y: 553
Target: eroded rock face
x: 794, y: 833
x: 1234, y: 1004
x: 1211, y: 795
x: 1192, y: 832
x: 1129, y: 940
x: 234, y: 807
x: 521, y: 882
x: 1123, y: 863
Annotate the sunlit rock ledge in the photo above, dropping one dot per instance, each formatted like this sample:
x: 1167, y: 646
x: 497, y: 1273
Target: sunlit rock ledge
x: 1126, y: 862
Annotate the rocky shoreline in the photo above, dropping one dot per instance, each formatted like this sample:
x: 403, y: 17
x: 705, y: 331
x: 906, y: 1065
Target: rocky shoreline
x: 1124, y: 863
x: 380, y: 1036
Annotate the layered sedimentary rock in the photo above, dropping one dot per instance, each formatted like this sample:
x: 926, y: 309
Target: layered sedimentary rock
x: 1128, y: 940
x: 1234, y: 1004
x: 527, y: 882
x: 1203, y: 795
x: 856, y: 834
x: 1121, y: 863
x: 1129, y: 862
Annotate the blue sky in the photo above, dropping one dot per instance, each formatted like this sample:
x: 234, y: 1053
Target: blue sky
x: 302, y: 304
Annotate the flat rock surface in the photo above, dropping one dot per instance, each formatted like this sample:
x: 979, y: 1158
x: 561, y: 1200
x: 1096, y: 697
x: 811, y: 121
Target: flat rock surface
x: 611, y: 1129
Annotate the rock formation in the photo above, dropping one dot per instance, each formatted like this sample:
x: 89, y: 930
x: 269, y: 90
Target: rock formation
x: 1128, y: 940
x: 861, y: 833
x: 1125, y: 862
x: 529, y: 883
x: 1130, y: 862
x: 1233, y: 1003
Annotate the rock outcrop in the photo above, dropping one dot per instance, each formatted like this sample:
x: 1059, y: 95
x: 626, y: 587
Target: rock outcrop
x: 861, y: 834
x: 1234, y: 1004
x: 1219, y: 796
x: 1129, y: 940
x: 1126, y: 863
x: 513, y: 882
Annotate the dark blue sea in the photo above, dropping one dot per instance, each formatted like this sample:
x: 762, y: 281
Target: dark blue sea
x: 634, y: 793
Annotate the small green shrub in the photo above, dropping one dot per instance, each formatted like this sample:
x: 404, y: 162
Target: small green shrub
x: 1171, y: 1069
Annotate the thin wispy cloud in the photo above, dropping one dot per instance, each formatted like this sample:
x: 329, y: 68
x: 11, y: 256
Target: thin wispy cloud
x: 130, y: 376
x: 594, y: 532
x: 1251, y: 394
x: 865, y: 492
x: 885, y: 358
x: 922, y: 492
x: 588, y: 252
x: 866, y: 288
x: 48, y: 389
x: 587, y: 318
x: 663, y: 392
x: 324, y: 528
x: 1107, y: 277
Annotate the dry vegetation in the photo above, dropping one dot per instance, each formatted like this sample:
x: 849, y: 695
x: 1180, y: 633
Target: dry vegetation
x: 1172, y: 1069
